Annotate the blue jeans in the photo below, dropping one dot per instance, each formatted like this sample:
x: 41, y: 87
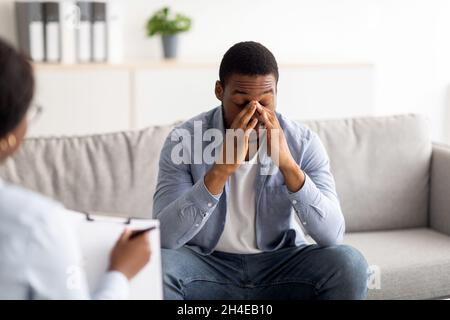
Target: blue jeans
x: 306, y: 272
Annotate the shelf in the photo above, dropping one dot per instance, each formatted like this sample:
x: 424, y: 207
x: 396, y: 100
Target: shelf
x: 191, y: 64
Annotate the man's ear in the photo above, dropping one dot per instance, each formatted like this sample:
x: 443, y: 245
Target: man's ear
x: 219, y: 90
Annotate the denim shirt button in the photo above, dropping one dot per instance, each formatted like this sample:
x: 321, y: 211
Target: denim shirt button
x: 294, y: 201
x: 210, y: 204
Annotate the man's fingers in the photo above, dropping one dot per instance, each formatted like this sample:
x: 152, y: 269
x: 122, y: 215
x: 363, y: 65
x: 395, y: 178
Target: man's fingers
x: 251, y: 126
x: 243, y: 111
x: 266, y: 116
x: 244, y: 116
x: 244, y: 120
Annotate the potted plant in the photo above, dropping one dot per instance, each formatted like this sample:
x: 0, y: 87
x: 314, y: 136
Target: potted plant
x: 168, y: 25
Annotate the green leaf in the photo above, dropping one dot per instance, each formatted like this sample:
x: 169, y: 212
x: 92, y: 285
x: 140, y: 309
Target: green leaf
x: 160, y: 23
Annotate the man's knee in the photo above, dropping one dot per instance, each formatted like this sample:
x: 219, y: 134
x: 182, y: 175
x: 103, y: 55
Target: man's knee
x: 175, y: 266
x: 351, y: 270
x: 174, y: 262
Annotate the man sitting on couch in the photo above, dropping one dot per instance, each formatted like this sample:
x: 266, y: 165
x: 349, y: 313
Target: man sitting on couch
x: 235, y: 229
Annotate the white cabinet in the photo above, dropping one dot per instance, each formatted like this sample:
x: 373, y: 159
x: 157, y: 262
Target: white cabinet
x: 86, y: 99
x: 78, y: 100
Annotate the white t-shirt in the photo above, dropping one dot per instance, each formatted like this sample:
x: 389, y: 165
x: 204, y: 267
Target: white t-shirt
x: 239, y: 234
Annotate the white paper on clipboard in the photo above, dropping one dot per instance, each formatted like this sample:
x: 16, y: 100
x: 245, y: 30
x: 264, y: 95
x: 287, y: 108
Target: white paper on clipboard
x: 97, y: 235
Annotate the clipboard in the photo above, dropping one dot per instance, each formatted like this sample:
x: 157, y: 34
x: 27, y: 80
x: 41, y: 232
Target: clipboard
x: 97, y: 235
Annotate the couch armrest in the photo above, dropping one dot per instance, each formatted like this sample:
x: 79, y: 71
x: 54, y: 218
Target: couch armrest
x: 440, y: 189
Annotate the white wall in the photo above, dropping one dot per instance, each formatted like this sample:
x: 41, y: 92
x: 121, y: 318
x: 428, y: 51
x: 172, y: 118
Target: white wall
x: 406, y: 40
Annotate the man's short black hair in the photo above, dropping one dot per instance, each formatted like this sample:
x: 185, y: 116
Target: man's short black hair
x: 247, y: 58
x: 16, y: 88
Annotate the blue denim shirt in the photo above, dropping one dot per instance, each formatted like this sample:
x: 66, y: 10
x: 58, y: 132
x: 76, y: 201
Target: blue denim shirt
x: 190, y: 215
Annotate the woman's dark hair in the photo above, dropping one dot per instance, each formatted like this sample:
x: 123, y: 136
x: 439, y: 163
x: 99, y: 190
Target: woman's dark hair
x: 16, y: 87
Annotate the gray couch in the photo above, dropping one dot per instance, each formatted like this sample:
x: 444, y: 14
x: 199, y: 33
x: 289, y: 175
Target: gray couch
x: 393, y: 184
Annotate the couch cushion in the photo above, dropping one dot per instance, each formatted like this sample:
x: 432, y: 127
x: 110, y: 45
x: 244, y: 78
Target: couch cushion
x: 413, y: 263
x: 381, y: 166
x: 113, y: 173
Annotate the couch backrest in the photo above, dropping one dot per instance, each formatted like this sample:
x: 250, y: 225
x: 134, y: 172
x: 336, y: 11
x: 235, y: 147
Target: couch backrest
x: 381, y: 166
x: 111, y: 173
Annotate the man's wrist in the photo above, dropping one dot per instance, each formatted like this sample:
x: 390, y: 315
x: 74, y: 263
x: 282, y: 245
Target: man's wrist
x: 293, y: 176
x: 288, y: 167
x: 216, y: 178
x: 221, y: 171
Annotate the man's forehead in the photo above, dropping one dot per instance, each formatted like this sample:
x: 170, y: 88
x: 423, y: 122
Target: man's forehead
x: 240, y: 84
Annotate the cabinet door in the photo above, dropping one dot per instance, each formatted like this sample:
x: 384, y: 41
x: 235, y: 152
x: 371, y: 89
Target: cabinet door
x: 164, y: 96
x: 81, y: 100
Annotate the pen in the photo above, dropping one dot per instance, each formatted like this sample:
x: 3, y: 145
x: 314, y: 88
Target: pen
x: 137, y: 233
